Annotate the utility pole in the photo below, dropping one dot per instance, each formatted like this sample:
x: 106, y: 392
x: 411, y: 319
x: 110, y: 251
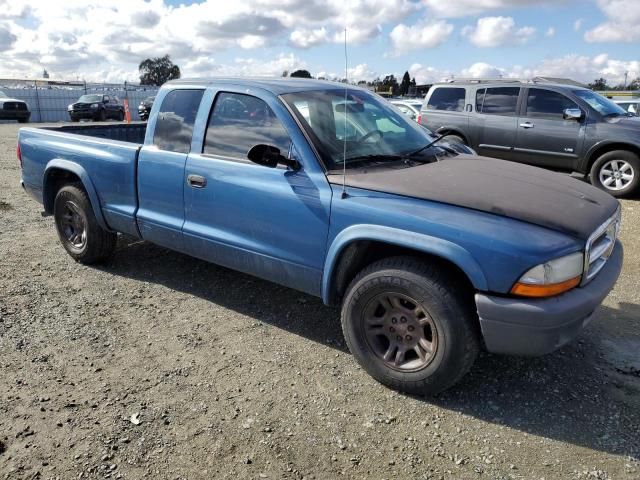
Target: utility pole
x: 626, y: 74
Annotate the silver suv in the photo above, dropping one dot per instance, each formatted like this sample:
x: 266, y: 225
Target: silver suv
x: 561, y: 126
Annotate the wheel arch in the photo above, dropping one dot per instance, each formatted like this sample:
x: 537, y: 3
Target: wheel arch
x: 601, y: 148
x: 59, y: 173
x: 360, y: 245
x: 454, y: 131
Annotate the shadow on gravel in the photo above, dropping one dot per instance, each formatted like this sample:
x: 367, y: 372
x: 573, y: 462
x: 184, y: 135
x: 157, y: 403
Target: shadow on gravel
x: 569, y: 396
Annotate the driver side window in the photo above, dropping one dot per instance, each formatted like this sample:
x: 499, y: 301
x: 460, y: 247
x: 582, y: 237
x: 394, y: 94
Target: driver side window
x: 239, y: 122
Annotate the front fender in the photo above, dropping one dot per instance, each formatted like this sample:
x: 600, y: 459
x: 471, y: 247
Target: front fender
x: 81, y: 173
x: 424, y: 243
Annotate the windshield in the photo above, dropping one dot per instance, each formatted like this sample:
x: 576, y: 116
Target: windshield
x: 90, y: 98
x: 368, y: 125
x: 602, y: 105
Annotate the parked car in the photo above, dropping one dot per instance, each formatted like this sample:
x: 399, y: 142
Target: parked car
x: 430, y: 253
x: 145, y: 108
x: 13, y: 109
x: 631, y: 106
x: 96, y: 107
x: 411, y: 108
x: 557, y: 126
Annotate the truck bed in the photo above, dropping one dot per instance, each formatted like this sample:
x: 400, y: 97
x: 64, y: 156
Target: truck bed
x: 103, y: 156
x: 122, y: 132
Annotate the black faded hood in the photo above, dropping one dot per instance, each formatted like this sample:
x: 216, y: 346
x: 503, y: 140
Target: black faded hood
x: 510, y: 189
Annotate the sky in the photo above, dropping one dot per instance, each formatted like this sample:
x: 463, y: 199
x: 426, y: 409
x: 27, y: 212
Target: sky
x: 105, y: 40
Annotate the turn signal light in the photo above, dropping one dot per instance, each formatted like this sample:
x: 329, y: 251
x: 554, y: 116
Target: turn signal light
x: 549, y: 290
x: 19, y: 155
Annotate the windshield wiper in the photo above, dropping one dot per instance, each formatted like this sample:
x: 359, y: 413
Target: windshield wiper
x: 431, y: 144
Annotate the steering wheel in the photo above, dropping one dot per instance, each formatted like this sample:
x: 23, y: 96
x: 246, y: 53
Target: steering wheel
x: 370, y: 134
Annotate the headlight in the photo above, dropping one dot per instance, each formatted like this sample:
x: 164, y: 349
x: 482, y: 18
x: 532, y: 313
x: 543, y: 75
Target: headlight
x: 551, y: 278
x: 94, y: 105
x: 70, y: 107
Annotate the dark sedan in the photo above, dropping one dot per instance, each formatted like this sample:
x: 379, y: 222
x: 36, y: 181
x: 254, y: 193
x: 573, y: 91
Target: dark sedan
x: 13, y: 109
x: 96, y: 107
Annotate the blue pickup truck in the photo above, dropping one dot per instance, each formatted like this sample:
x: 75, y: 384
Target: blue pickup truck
x: 432, y: 252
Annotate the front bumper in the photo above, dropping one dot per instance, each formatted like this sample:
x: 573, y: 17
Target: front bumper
x: 84, y: 113
x: 521, y: 326
x: 14, y: 114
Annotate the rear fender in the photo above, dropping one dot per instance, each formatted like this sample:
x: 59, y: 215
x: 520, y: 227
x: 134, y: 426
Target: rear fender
x: 402, y: 238
x: 81, y: 173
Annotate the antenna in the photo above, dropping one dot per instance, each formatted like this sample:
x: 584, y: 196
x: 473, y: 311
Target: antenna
x: 346, y: 110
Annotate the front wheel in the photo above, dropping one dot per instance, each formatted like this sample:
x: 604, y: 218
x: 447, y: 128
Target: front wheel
x: 455, y: 139
x: 79, y: 232
x: 409, y: 326
x: 617, y: 173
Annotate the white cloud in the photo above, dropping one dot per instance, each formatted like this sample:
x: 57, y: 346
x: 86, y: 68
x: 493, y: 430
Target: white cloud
x: 361, y: 72
x: 86, y: 38
x: 424, y: 35
x: 623, y: 18
x: 578, y: 67
x: 497, y: 32
x: 482, y: 70
x: 306, y: 38
x: 550, y: 33
x: 464, y: 8
x: 577, y: 25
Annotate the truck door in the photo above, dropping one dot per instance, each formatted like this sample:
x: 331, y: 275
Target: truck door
x: 545, y: 137
x: 268, y: 222
x: 161, y: 164
x: 495, y: 121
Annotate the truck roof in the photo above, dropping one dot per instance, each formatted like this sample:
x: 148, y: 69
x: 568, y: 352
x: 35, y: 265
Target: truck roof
x: 276, y: 85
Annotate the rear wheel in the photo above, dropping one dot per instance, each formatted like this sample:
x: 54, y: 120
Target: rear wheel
x: 120, y: 115
x: 616, y: 172
x: 101, y: 116
x: 78, y: 230
x: 409, y: 326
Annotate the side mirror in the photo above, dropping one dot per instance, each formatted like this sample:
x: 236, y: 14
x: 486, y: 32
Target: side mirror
x: 270, y: 156
x: 572, y: 114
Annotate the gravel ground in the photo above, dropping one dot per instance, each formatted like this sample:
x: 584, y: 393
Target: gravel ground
x: 158, y: 365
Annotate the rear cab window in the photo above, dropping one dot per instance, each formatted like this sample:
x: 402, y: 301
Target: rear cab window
x: 174, y: 123
x: 450, y: 99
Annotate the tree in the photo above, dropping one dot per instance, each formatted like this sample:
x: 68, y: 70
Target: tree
x: 156, y: 71
x: 634, y: 84
x: 301, y: 74
x: 389, y: 84
x: 285, y: 73
x: 599, y: 84
x: 404, y: 85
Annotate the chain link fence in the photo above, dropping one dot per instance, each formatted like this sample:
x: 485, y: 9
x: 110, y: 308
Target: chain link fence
x: 48, y: 99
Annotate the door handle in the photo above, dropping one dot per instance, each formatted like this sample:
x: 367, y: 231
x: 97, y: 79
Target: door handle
x: 197, y: 181
x: 526, y: 125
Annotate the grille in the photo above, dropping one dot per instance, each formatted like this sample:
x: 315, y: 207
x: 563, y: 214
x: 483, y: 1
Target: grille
x: 599, y: 247
x: 15, y: 106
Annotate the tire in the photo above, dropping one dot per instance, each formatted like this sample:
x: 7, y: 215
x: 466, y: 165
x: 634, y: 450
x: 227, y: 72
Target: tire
x: 78, y: 230
x: 120, y: 116
x: 75, y: 119
x: 455, y: 138
x: 448, y: 317
x: 621, y: 168
x: 101, y: 116
x: 23, y: 120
